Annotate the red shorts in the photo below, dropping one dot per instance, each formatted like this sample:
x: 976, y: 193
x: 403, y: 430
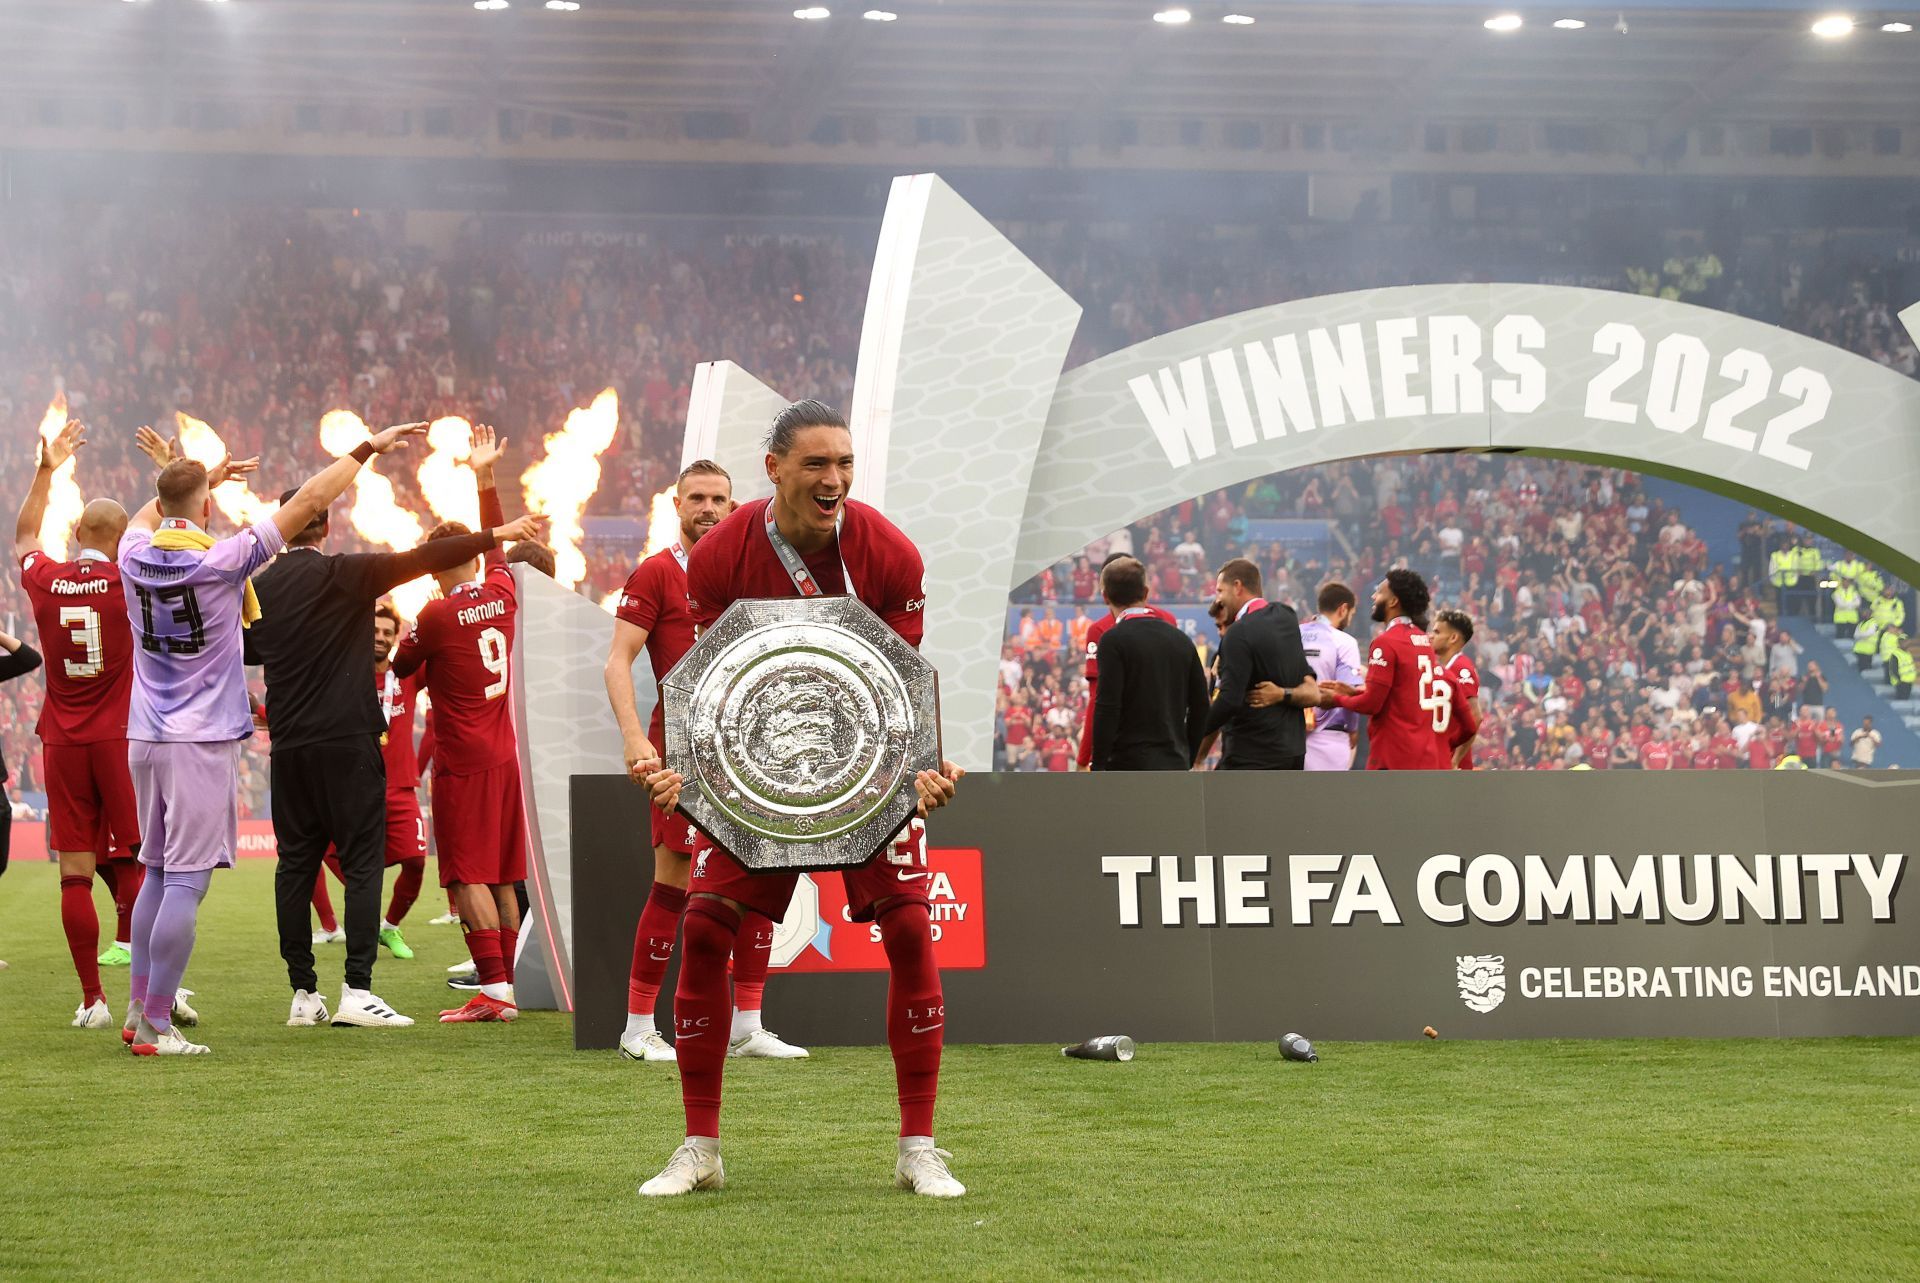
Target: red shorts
x: 90, y: 801
x: 480, y: 827
x: 406, y: 830
x: 899, y: 872
x: 673, y: 832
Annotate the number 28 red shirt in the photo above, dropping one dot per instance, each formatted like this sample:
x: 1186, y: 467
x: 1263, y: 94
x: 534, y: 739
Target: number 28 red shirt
x: 1401, y: 700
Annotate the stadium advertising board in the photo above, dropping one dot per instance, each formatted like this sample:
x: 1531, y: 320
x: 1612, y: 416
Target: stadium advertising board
x: 1370, y: 905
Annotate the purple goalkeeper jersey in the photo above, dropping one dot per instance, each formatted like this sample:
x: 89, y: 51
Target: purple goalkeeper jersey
x: 1334, y: 656
x: 188, y: 682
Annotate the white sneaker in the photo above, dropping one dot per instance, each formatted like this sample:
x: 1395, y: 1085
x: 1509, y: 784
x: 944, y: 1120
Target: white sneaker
x: 923, y: 1169
x: 336, y: 936
x: 646, y: 1046
x: 766, y: 1043
x: 365, y: 1011
x: 692, y: 1167
x: 309, y: 1009
x: 459, y: 967
x: 170, y: 1043
x: 96, y: 1015
x: 447, y: 919
x: 182, y: 1013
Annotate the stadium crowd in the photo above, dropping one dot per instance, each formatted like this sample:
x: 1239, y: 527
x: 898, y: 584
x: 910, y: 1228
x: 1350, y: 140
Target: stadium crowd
x: 1603, y: 624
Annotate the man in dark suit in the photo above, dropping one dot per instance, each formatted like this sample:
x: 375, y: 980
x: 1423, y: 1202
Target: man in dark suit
x: 1151, y: 701
x: 1262, y: 645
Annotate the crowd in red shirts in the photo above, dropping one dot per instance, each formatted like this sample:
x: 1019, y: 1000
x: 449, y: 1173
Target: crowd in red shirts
x: 260, y: 320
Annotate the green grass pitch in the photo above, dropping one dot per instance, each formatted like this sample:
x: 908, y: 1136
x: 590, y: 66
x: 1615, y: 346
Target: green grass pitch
x: 498, y: 1152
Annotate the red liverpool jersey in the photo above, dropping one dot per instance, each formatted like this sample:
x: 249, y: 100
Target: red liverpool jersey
x: 462, y: 645
x: 1463, y: 682
x: 399, y: 696
x: 655, y: 599
x: 736, y: 560
x: 81, y: 612
x: 1406, y: 708
x: 1095, y: 632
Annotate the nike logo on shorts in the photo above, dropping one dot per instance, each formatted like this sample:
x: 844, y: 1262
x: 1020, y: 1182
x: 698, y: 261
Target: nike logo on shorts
x: 928, y: 1029
x: 909, y: 877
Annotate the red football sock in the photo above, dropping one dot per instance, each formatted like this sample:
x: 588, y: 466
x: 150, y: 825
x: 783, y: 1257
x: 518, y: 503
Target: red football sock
x: 653, y: 947
x: 916, y: 1012
x: 484, y: 945
x: 509, y: 949
x: 332, y: 861
x: 751, y: 952
x: 702, y: 1012
x: 129, y: 876
x: 323, y: 903
x: 406, y: 888
x: 110, y: 879
x: 82, y: 925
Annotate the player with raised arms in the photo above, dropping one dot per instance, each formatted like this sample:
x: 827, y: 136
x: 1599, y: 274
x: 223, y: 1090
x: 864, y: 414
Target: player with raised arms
x: 1403, y: 697
x: 810, y: 540
x: 652, y: 615
x: 189, y: 712
x: 80, y: 610
x: 463, y: 642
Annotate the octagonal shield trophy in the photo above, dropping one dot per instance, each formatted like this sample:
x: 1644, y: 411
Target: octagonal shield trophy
x: 799, y: 724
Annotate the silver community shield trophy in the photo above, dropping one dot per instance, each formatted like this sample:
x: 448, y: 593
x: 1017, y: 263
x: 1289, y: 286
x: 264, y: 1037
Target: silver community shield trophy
x: 799, y: 724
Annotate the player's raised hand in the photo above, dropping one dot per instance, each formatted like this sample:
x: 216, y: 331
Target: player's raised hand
x: 156, y: 447
x: 56, y: 452
x: 395, y: 437
x: 642, y: 759
x: 665, y: 787
x: 531, y: 526
x: 232, y: 469
x: 488, y: 447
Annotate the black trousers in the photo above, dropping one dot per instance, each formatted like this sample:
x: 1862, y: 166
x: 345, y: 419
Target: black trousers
x: 332, y: 794
x: 1291, y: 762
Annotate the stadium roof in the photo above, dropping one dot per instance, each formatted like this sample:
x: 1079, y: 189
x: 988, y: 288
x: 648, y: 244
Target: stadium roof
x: 749, y: 69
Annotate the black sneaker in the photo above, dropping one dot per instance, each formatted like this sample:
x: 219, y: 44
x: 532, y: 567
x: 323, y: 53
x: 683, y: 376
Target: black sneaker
x: 467, y: 982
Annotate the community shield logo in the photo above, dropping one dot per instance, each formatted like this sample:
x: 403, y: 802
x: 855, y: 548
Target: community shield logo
x: 1483, y: 980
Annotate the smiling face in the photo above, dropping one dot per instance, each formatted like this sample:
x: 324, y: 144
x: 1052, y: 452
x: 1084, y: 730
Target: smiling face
x: 811, y: 479
x: 701, y: 500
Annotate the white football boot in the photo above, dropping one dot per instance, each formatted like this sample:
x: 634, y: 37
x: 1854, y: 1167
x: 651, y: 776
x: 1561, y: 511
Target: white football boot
x: 336, y: 936
x: 765, y: 1043
x: 96, y: 1015
x: 695, y: 1165
x: 923, y: 1169
x: 646, y: 1045
x: 182, y: 1013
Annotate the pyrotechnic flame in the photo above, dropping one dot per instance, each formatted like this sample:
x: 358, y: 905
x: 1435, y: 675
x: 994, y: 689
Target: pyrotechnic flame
x: 236, y: 498
x: 561, y: 484
x: 375, y: 515
x: 611, y: 602
x: 64, y: 501
x: 663, y: 523
x: 445, y: 481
